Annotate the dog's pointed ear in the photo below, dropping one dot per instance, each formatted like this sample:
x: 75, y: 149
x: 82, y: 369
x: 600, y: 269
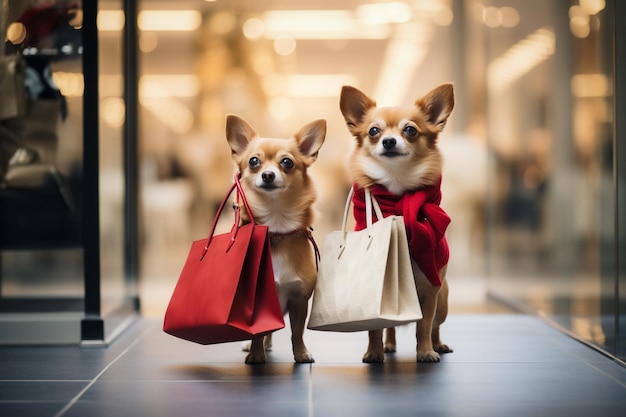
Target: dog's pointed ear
x: 354, y: 104
x: 438, y: 104
x: 238, y: 134
x: 310, y: 139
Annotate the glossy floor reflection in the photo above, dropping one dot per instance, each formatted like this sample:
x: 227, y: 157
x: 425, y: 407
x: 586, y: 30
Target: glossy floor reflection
x: 503, y: 365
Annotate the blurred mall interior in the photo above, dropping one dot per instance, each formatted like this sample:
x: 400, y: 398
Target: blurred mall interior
x: 124, y: 128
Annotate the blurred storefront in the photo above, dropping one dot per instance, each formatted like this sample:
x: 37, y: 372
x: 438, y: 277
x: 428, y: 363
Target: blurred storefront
x: 67, y: 273
x: 532, y: 178
x: 553, y: 201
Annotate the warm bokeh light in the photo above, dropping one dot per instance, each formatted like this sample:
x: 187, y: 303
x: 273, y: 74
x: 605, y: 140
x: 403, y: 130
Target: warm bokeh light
x: 253, y: 28
x: 71, y: 84
x: 16, y: 33
x: 113, y: 110
x: 284, y: 45
x: 592, y: 7
x: 110, y: 20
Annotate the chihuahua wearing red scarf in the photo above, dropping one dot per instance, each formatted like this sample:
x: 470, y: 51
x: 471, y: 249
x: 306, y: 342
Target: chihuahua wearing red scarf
x: 397, y: 158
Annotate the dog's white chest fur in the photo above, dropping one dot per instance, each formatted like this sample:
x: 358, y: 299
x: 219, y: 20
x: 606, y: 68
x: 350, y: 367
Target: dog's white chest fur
x: 277, y: 219
x: 396, y: 178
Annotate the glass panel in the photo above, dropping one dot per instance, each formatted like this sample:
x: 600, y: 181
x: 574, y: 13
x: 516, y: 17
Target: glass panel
x: 41, y: 192
x: 41, y: 259
x: 549, y: 118
x: 111, y: 85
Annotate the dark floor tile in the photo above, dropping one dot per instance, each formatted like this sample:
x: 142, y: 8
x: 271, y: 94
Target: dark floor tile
x: 194, y: 398
x: 37, y: 391
x: 30, y: 409
x: 41, y: 367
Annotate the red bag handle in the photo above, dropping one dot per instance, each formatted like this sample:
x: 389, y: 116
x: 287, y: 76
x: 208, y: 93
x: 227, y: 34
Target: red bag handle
x: 235, y: 228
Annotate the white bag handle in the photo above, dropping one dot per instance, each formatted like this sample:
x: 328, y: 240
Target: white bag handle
x: 369, y: 201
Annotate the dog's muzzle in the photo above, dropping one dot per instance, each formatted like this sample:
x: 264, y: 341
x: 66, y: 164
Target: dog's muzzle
x: 390, y: 147
x: 268, y: 181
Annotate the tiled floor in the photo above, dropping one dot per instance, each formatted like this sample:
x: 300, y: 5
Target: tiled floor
x: 503, y: 365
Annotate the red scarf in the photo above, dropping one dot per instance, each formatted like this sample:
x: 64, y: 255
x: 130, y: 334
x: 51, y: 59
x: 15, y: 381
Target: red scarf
x: 424, y: 220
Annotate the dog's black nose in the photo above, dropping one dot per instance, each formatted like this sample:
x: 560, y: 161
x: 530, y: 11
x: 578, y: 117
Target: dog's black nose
x: 268, y: 176
x: 389, y: 143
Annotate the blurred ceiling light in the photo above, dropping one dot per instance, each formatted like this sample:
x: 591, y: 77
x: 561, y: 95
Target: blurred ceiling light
x: 16, y: 33
x: 307, y: 85
x: 253, y: 28
x: 170, y: 85
x: 280, y: 21
x: 592, y: 7
x: 284, y: 45
x: 169, y: 20
x: 428, y: 6
x: 383, y: 13
x: 110, y: 20
x: 320, y: 24
x: 521, y: 58
x: 590, y: 85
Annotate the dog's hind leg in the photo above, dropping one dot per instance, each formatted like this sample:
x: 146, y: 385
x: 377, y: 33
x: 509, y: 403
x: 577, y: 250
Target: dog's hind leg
x: 375, y: 351
x: 440, y: 317
x: 390, y: 340
x: 428, y: 301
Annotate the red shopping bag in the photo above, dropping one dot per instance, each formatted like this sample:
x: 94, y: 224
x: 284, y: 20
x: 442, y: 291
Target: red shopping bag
x: 226, y: 290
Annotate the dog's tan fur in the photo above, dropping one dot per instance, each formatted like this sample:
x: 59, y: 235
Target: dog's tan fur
x: 281, y: 195
x: 413, y: 162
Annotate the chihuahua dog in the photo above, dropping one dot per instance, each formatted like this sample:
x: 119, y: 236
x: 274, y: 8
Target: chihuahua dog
x: 397, y: 158
x: 281, y: 193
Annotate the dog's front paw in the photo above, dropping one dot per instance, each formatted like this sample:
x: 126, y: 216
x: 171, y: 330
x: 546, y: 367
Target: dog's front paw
x: 390, y: 348
x: 373, y: 357
x: 255, y: 358
x: 303, y: 357
x: 443, y: 349
x: 428, y: 356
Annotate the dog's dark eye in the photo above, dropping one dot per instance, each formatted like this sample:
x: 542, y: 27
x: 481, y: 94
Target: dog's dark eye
x: 254, y: 162
x: 286, y: 163
x: 374, y: 131
x: 410, y: 131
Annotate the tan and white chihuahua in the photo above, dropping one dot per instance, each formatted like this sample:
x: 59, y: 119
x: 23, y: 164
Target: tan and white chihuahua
x: 281, y: 193
x: 396, y: 156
